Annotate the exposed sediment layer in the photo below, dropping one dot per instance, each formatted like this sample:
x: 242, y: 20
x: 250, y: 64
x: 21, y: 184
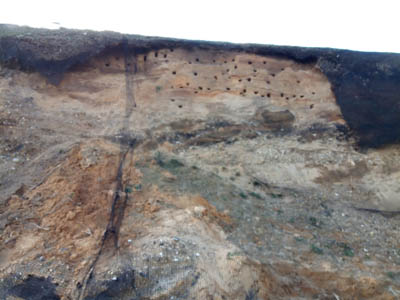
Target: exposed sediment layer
x: 365, y: 84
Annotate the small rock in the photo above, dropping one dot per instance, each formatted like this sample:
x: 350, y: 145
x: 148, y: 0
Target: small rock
x: 199, y: 210
x: 168, y: 176
x: 370, y: 263
x: 70, y: 215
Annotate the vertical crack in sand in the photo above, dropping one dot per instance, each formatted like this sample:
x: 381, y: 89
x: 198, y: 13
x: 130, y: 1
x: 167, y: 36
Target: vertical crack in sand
x: 130, y: 70
x: 119, y: 200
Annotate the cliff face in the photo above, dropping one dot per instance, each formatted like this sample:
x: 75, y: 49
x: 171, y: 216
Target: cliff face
x: 152, y: 168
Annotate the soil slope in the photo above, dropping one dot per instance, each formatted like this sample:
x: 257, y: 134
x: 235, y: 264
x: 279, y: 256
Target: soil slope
x: 151, y: 168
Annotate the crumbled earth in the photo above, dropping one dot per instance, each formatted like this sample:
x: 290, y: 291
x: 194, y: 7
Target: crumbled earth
x: 200, y: 173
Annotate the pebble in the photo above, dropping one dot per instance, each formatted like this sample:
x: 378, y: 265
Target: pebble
x: 199, y: 209
x: 370, y: 263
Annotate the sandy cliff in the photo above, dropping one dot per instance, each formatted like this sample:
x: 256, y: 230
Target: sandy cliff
x: 152, y: 168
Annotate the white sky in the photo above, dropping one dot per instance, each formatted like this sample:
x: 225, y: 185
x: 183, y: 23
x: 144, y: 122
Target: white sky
x: 359, y: 25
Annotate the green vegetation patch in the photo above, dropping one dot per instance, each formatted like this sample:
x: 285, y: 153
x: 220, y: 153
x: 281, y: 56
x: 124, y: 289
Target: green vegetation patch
x: 255, y: 195
x: 316, y: 250
x: 230, y: 255
x: 347, y: 250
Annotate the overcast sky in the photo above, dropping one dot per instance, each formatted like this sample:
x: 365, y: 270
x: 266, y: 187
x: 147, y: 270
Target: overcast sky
x: 351, y: 24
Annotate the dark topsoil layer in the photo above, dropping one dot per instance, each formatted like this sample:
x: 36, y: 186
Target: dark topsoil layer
x: 366, y: 85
